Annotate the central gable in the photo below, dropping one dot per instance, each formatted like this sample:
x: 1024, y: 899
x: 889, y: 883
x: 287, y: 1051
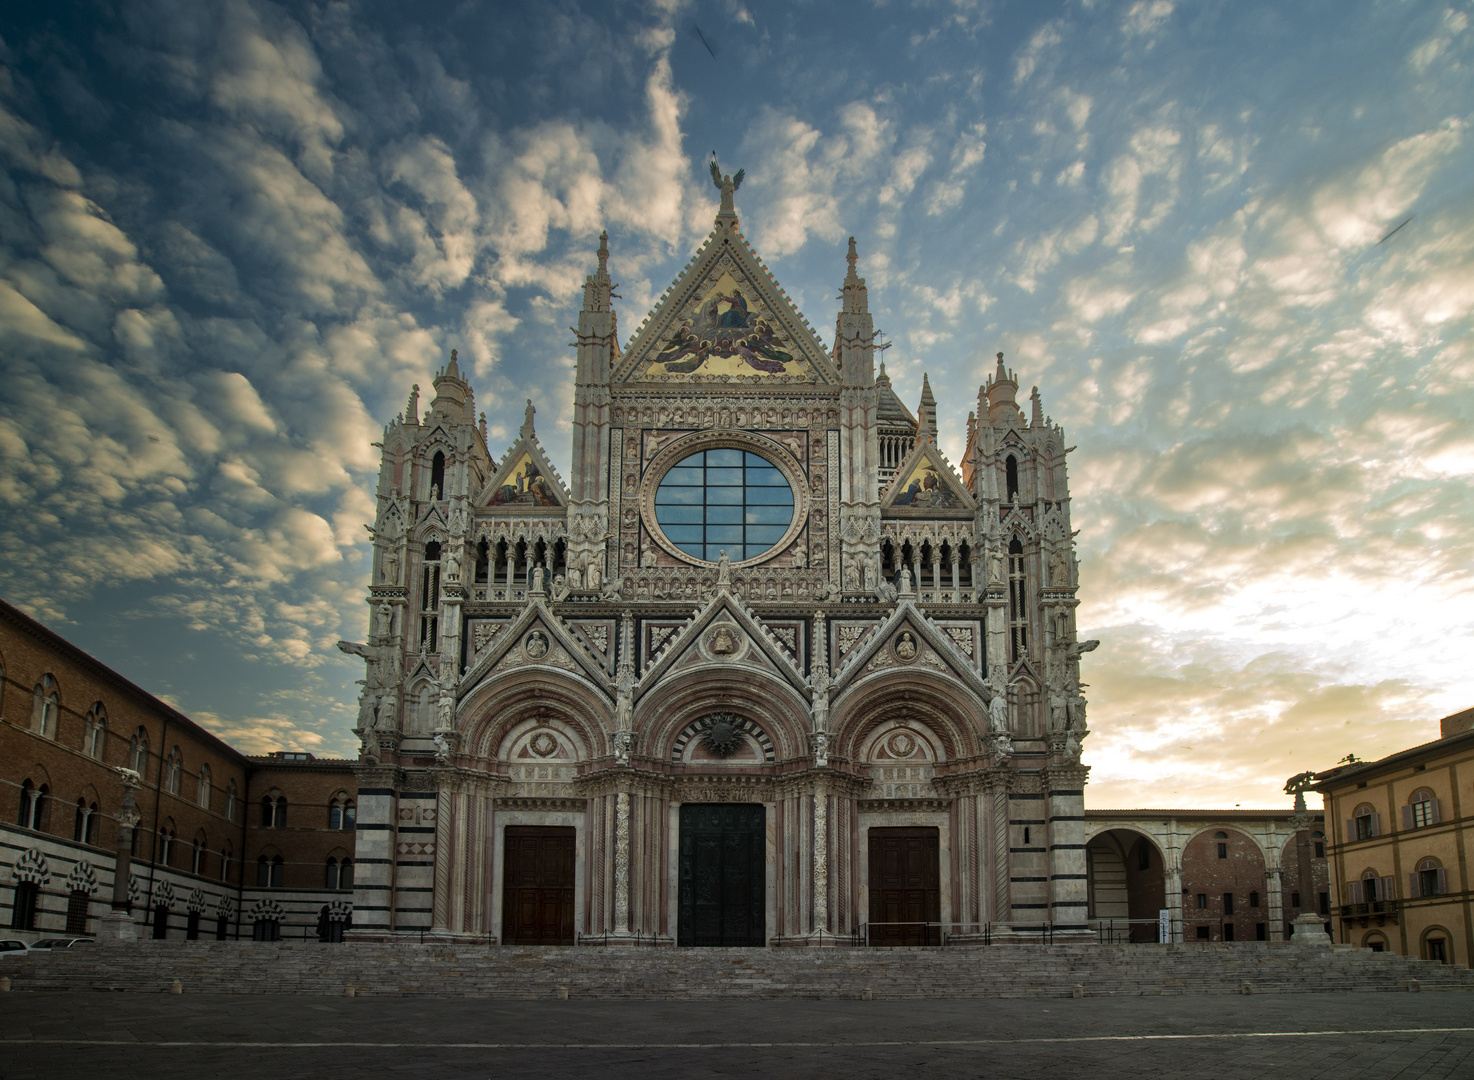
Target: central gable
x: 726, y: 319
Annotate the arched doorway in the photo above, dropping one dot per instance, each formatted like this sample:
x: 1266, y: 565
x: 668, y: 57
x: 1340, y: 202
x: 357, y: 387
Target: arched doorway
x: 1126, y: 885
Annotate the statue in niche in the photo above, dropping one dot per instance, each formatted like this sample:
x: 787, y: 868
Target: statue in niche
x: 592, y: 573
x: 851, y: 576
x: 906, y: 646
x: 447, y: 709
x: 998, y: 710
x: 560, y: 588
x: 389, y: 566
x: 536, y: 646
x: 384, y: 621
x: 821, y: 748
x: 800, y: 557
x: 453, y: 562
x: 723, y: 641
x: 995, y: 568
x: 1059, y: 571
x: 537, y: 579
x: 905, y: 581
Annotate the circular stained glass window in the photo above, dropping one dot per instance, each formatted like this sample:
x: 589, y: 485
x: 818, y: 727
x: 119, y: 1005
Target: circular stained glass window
x: 724, y: 500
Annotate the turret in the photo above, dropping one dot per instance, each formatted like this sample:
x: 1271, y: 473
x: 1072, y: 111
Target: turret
x: 453, y: 398
x: 1002, y: 392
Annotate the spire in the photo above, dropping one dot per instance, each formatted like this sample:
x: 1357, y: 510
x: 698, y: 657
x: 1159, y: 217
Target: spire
x: 481, y: 424
x: 453, y: 369
x: 412, y: 408
x: 1036, y: 413
x: 604, y: 253
x: 453, y: 393
x: 1002, y: 392
x: 926, y: 412
x: 856, y: 301
x: 597, y: 287
x: 527, y: 432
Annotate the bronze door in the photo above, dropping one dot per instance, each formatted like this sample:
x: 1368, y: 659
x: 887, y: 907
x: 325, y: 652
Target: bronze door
x: 905, y: 887
x: 723, y: 876
x: 537, y: 889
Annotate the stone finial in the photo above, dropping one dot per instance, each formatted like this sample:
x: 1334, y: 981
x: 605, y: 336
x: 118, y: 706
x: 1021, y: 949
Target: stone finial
x: 481, y: 425
x: 526, y: 431
x: 604, y: 252
x: 1036, y: 411
x: 453, y: 369
x: 412, y: 409
x: 852, y: 258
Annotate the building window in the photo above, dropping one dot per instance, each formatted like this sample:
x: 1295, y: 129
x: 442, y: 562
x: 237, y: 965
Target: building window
x: 1437, y: 949
x: 342, y: 813
x: 345, y: 874
x: 23, y: 907
x: 138, y: 753
x: 222, y: 928
x: 331, y: 881
x: 224, y: 863
x: 205, y: 785
x: 32, y: 805
x: 161, y: 921
x: 1202, y: 933
x: 277, y: 870
x: 1222, y: 838
x: 1228, y: 903
x: 85, y: 829
x: 77, y: 911
x: 1363, y: 824
x: 166, y: 844
x: 1294, y: 900
x: 430, y: 598
x: 724, y: 500
x: 266, y: 930
x: 45, y: 707
x: 192, y: 926
x: 1421, y: 811
x: 1018, y: 608
x: 1428, y: 879
x: 437, y: 476
x: 1320, y: 844
x: 1202, y: 901
x: 94, y: 731
x: 1261, y: 931
x: 174, y: 772
x: 230, y: 801
x: 1010, y: 477
x: 1253, y: 900
x: 1228, y: 931
x: 197, y: 858
x: 273, y: 812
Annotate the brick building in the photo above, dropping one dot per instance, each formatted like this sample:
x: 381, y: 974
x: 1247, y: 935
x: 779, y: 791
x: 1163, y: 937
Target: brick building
x: 207, y: 857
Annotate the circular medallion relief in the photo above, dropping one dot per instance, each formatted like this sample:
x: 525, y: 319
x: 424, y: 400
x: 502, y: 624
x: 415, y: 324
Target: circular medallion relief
x: 543, y: 744
x: 905, y: 647
x: 536, y: 645
x: 722, y: 735
x: 901, y: 744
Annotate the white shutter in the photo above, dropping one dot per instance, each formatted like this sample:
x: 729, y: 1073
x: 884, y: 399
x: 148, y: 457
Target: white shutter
x: 1432, y: 811
x: 1388, y: 889
x: 1376, y: 824
x: 1442, y: 881
x: 1413, y: 892
x: 1353, y: 890
x: 1407, y: 817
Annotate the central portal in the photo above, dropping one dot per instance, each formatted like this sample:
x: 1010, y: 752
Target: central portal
x: 905, y: 887
x: 722, y: 874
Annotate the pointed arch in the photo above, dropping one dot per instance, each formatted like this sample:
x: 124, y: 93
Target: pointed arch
x: 948, y: 709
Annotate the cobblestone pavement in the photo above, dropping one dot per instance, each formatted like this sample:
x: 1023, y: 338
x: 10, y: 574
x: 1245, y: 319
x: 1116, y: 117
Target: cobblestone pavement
x: 99, y: 1036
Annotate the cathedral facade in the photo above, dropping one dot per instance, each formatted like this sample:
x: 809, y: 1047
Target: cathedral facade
x: 766, y: 669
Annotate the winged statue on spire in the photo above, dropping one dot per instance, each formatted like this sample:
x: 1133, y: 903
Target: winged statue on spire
x: 726, y: 184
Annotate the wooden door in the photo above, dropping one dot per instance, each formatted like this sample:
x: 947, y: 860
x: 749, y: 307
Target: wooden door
x: 723, y: 875
x: 905, y: 887
x: 537, y: 885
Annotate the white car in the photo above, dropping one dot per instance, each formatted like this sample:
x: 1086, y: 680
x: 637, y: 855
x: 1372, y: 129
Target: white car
x: 47, y: 944
x: 13, y: 946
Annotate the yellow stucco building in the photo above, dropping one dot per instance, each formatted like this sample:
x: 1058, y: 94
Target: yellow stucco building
x: 1400, y: 846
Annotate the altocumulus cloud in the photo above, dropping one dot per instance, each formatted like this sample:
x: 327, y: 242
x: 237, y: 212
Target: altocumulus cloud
x: 233, y: 235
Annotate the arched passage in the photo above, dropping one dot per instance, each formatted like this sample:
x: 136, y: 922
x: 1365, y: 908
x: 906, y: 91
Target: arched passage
x: 1223, y: 873
x: 1126, y: 884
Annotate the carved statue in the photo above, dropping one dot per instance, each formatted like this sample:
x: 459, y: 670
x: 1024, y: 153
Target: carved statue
x: 442, y: 749
x: 1072, y: 746
x: 1058, y: 715
x: 537, y: 579
x: 724, y: 571
x: 384, y: 621
x: 1297, y: 786
x: 998, y: 711
x: 1059, y: 571
x: 906, y: 646
x: 389, y: 566
x: 358, y: 648
x: 453, y: 562
x: 820, y: 740
x: 851, y: 576
x: 1001, y: 745
x: 800, y: 557
x: 447, y: 704
x: 905, y: 581
x: 995, y: 568
x: 591, y: 573
x: 612, y: 586
x: 560, y: 587
x: 623, y: 743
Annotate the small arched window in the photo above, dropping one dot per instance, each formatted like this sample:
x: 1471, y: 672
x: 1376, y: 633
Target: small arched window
x: 230, y: 801
x: 32, y: 805
x: 166, y: 843
x: 263, y: 872
x: 1010, y: 477
x: 437, y: 476
x: 1318, y: 839
x: 1018, y: 609
x: 1221, y: 839
x: 1429, y: 879
x: 197, y: 858
x: 205, y: 786
x: 273, y: 811
x: 138, y: 753
x: 345, y: 874
x: 277, y: 870
x: 1421, y: 810
x: 85, y: 829
x: 174, y: 772
x: 1363, y: 824
x: 224, y: 862
x: 331, y: 878
x: 45, y: 707
x: 341, y: 812
x: 94, y: 731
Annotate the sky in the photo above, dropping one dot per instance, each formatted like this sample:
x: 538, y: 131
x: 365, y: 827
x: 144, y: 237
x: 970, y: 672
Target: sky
x: 1231, y: 242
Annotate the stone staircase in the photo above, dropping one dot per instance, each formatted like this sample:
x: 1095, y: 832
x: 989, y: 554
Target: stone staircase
x: 465, y: 970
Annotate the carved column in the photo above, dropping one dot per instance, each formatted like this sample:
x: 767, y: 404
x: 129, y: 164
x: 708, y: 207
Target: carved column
x: 444, y: 844
x: 998, y: 782
x: 622, y: 863
x: 821, y: 860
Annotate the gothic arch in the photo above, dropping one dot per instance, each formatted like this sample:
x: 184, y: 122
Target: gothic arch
x: 948, y: 709
x: 761, y: 696
x: 505, y: 700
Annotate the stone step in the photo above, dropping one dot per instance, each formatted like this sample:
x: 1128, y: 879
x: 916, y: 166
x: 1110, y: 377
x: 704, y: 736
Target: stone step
x: 467, y: 970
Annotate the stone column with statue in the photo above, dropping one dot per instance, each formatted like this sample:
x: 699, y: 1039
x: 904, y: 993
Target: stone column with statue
x: 117, y: 924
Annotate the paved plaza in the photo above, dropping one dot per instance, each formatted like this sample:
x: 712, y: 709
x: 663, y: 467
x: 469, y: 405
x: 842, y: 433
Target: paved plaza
x: 1347, y: 1035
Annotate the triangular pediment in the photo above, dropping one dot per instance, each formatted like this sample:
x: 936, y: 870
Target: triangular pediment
x: 535, y: 638
x: 525, y: 480
x: 926, y: 485
x: 725, y: 319
x: 724, y: 632
x: 909, y: 639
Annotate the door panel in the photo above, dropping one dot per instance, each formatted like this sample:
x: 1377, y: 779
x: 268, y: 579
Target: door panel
x: 723, y: 875
x: 905, y: 886
x: 537, y: 888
